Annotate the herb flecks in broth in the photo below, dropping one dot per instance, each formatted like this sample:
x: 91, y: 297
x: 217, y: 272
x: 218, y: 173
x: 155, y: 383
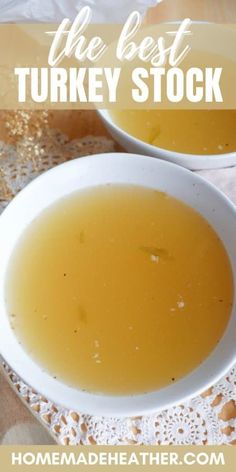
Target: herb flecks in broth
x: 156, y: 252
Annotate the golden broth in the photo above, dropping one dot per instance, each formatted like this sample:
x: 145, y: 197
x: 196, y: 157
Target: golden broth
x: 119, y: 289
x: 187, y: 131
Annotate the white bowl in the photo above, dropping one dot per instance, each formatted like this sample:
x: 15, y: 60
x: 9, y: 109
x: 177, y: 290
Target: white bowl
x: 190, y: 161
x: 126, y: 169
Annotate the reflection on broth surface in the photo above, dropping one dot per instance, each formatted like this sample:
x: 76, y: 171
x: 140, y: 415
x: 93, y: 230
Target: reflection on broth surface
x: 119, y: 289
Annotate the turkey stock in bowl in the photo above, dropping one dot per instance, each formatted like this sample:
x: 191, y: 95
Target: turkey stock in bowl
x: 209, y: 40
x: 119, y: 168
x: 190, y: 161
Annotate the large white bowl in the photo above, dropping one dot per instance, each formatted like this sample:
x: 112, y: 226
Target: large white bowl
x: 118, y: 169
x: 190, y: 161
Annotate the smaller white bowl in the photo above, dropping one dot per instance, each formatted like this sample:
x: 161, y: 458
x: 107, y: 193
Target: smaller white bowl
x: 190, y: 161
x: 119, y: 168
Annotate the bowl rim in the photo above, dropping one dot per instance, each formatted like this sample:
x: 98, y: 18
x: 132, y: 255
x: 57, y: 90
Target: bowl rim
x: 167, y: 153
x: 107, y: 405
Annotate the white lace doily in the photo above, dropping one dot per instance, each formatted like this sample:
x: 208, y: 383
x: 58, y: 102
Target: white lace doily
x: 207, y: 419
x: 203, y: 420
